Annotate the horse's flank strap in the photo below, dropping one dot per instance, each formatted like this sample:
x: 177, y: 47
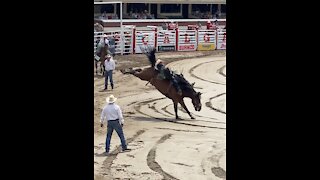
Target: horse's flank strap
x: 149, y: 81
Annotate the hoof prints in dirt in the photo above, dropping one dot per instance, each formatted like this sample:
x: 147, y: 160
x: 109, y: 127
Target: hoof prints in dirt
x: 183, y: 164
x: 209, y: 105
x: 219, y: 172
x: 220, y: 71
x: 108, y: 162
x: 151, y: 159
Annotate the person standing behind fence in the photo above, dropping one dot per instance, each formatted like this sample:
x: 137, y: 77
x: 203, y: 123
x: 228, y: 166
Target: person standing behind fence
x: 109, y: 66
x: 113, y: 115
x: 164, y: 25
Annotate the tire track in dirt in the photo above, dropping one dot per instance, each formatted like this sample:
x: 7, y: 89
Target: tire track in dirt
x: 181, y: 130
x: 138, y: 106
x: 154, y: 108
x: 165, y: 109
x: 209, y: 104
x: 220, y: 71
x: 110, y: 158
x: 195, y: 76
x: 213, y: 122
x: 151, y: 159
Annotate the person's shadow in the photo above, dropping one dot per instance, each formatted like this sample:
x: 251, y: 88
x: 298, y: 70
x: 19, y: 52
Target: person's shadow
x: 104, y: 155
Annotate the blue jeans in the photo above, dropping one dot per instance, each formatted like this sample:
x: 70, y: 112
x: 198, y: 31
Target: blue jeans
x: 108, y: 74
x: 115, y: 125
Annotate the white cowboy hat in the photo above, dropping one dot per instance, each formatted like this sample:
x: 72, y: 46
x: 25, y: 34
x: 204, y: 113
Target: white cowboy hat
x: 108, y: 56
x: 111, y: 99
x: 104, y: 35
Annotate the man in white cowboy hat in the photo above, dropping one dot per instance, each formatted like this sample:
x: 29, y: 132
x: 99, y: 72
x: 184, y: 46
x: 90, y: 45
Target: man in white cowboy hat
x: 112, y: 114
x: 110, y: 65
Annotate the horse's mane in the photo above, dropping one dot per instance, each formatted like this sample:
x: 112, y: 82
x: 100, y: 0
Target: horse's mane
x: 184, y: 84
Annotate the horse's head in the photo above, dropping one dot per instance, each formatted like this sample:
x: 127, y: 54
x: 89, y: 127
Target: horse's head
x: 196, y: 101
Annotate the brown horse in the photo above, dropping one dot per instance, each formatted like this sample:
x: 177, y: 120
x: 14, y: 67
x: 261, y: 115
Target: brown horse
x: 166, y: 88
x: 102, y: 52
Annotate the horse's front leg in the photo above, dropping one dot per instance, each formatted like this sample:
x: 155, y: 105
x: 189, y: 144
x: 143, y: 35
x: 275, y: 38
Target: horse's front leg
x: 175, y: 105
x: 185, y: 108
x: 102, y: 69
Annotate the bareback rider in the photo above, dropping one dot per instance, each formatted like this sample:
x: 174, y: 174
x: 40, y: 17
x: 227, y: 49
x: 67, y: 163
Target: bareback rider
x: 165, y: 73
x: 103, y: 42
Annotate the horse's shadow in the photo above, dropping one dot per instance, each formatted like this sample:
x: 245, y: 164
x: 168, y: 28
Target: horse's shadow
x: 156, y: 119
x: 103, y: 90
x: 104, y: 155
x: 99, y: 76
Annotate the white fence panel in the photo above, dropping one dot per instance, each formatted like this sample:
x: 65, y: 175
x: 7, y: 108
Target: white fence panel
x: 143, y: 40
x: 222, y: 39
x: 187, y: 40
x: 166, y: 40
x: 207, y: 40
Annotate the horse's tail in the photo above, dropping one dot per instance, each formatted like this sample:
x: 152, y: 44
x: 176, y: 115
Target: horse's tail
x: 151, y: 55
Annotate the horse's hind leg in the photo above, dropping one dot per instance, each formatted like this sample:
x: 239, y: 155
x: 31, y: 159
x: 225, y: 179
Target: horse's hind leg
x: 185, y: 108
x: 96, y: 64
x: 175, y: 105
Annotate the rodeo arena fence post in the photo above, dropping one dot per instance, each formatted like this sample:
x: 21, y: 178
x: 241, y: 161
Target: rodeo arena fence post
x: 136, y: 41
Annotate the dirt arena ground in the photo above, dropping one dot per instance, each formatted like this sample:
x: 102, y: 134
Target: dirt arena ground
x: 163, y: 148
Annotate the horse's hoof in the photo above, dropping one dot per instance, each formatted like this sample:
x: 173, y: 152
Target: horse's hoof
x: 193, y: 118
x: 125, y: 71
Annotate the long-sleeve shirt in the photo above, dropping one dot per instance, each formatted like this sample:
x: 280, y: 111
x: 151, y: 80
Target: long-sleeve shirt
x: 111, y: 112
x: 109, y: 65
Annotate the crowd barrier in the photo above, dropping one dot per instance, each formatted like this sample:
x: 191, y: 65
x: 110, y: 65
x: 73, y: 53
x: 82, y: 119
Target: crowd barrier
x: 136, y: 41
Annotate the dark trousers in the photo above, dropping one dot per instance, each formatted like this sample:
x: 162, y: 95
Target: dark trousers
x: 115, y: 125
x: 108, y: 75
